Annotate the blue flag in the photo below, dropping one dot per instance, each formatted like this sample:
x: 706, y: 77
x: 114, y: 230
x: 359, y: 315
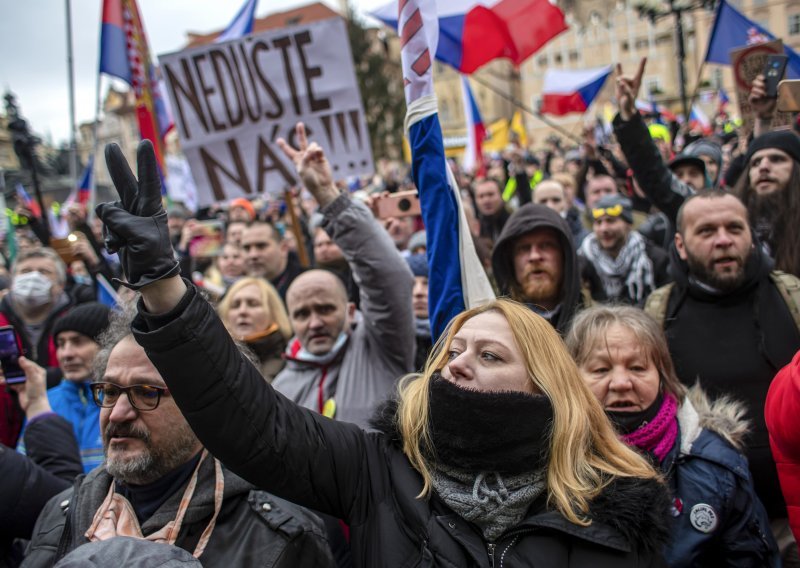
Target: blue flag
x: 732, y: 30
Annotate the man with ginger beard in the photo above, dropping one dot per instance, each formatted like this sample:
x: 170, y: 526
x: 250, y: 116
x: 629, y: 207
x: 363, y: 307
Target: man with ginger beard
x: 726, y: 322
x: 155, y: 471
x: 534, y: 262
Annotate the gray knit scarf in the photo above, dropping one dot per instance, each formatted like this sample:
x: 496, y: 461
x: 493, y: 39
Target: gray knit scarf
x: 632, y: 267
x: 493, y: 503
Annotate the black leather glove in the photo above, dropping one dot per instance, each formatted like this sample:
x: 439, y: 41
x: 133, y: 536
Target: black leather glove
x: 136, y: 226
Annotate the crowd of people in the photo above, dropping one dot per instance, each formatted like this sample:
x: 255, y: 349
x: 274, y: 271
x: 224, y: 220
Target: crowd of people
x: 275, y: 396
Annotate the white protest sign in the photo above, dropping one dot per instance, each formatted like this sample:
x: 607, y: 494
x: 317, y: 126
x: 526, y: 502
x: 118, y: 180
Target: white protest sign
x: 232, y: 101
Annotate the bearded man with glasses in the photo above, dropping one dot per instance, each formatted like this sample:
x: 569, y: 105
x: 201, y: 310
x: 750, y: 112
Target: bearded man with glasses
x: 158, y: 483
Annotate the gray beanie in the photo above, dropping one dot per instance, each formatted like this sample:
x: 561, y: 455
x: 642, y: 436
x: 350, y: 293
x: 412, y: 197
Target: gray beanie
x: 704, y: 147
x: 612, y: 202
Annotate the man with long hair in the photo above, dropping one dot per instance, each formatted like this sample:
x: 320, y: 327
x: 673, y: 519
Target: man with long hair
x: 770, y: 189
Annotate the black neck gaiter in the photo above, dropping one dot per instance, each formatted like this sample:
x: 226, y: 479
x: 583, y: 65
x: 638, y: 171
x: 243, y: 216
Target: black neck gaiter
x: 506, y: 432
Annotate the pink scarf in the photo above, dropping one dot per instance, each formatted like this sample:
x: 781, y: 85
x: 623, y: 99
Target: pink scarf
x: 657, y: 436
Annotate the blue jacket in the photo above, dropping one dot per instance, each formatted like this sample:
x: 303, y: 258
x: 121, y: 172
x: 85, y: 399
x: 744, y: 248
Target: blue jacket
x: 718, y: 519
x: 73, y: 401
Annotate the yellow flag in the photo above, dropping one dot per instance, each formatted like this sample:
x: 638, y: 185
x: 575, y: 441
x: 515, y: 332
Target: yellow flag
x: 496, y: 136
x: 518, y: 128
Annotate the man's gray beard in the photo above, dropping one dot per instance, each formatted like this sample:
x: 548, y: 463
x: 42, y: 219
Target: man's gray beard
x: 152, y: 464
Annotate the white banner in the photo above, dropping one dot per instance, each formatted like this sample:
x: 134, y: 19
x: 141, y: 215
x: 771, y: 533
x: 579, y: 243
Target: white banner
x: 232, y: 101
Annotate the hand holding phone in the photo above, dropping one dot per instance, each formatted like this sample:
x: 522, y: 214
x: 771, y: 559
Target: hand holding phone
x: 9, y: 356
x: 773, y: 73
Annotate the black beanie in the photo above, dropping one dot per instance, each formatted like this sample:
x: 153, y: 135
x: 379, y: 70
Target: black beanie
x: 90, y: 319
x: 613, y: 201
x: 785, y: 140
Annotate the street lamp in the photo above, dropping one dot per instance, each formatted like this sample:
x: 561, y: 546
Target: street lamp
x: 654, y: 10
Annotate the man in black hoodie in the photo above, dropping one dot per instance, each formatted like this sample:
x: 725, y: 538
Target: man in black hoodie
x: 726, y: 321
x: 534, y: 261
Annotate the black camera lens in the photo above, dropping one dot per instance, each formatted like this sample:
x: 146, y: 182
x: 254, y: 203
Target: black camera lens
x: 404, y: 204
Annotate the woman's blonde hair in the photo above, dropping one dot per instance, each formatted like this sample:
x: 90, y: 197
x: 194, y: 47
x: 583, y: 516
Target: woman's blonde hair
x: 590, y: 329
x: 269, y: 298
x: 585, y: 454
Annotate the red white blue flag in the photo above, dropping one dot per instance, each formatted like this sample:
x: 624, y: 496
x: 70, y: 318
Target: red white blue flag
x: 476, y: 132
x: 456, y: 277
x: 242, y: 23
x: 565, y: 92
x: 472, y: 33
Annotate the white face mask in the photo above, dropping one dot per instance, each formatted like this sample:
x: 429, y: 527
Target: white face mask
x: 31, y: 289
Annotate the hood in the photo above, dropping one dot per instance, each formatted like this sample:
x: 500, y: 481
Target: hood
x: 723, y: 416
x: 636, y: 508
x: 528, y: 218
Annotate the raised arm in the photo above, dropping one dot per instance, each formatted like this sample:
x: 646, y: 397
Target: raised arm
x: 663, y: 189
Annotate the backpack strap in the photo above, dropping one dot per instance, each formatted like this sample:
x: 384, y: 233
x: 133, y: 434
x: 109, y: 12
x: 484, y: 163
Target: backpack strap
x: 789, y: 287
x: 657, y: 302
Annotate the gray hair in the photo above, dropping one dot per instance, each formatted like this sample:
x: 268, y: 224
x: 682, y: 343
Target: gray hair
x: 43, y: 252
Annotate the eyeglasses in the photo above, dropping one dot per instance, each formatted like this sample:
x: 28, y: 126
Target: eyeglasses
x: 141, y: 397
x: 614, y: 211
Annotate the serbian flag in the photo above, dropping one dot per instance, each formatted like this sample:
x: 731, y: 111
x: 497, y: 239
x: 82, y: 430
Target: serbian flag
x: 242, y: 23
x: 472, y: 33
x: 565, y: 92
x: 476, y: 132
x: 456, y: 277
x: 732, y: 29
x: 25, y: 198
x: 124, y: 54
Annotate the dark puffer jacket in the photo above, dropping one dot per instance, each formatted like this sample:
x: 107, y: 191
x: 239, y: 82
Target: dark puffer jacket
x: 526, y: 219
x: 364, y: 478
x: 253, y: 529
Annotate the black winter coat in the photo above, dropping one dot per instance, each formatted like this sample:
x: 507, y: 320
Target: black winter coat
x: 364, y: 478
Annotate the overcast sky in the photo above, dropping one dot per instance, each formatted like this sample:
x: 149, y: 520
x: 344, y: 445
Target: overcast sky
x: 33, y: 53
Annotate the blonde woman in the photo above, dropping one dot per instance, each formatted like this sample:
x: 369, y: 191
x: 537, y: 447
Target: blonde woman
x: 496, y: 455
x: 253, y: 313
x: 716, y: 517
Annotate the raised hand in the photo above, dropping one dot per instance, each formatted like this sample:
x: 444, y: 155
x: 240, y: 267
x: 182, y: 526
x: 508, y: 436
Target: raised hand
x: 312, y: 166
x: 763, y: 106
x: 136, y: 226
x: 627, y: 90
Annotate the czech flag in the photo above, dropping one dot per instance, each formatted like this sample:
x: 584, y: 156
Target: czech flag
x: 699, y: 119
x: 565, y: 92
x: 29, y: 203
x: 723, y: 99
x: 476, y: 132
x: 456, y: 277
x: 472, y: 33
x: 654, y: 108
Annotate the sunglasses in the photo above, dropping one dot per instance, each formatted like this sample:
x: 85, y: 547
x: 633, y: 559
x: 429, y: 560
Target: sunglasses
x: 614, y: 211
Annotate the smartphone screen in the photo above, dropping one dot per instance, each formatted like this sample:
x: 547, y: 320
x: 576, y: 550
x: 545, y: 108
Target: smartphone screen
x: 9, y: 356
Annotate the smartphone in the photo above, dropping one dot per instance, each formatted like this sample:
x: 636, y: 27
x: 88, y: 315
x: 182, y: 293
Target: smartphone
x: 773, y: 73
x: 209, y: 243
x: 9, y: 356
x: 400, y: 204
x: 789, y: 96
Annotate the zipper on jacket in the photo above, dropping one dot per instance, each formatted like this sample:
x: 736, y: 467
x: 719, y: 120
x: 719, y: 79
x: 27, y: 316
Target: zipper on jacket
x: 490, y: 548
x: 507, y: 548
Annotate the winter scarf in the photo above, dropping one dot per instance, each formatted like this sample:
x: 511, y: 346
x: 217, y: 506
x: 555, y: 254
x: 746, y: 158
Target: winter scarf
x: 487, y: 468
x: 632, y: 267
x: 658, y: 435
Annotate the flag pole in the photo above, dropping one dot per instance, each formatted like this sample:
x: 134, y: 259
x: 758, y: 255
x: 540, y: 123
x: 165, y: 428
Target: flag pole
x: 522, y: 106
x: 73, y: 170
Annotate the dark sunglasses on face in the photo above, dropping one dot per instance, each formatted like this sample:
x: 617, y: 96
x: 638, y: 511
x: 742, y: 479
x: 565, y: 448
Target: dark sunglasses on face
x: 141, y: 397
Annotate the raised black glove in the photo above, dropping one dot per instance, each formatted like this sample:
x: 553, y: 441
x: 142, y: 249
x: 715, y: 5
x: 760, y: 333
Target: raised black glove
x: 136, y: 226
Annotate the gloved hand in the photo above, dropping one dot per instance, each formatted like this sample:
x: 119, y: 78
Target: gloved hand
x: 136, y: 226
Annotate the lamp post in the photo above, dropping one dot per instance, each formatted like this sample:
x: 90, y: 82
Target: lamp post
x: 654, y: 11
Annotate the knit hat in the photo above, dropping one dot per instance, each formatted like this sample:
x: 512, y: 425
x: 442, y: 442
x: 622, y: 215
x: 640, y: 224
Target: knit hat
x: 90, y: 319
x: 418, y: 263
x: 418, y: 240
x: 659, y: 132
x: 244, y: 204
x: 704, y: 147
x: 785, y: 140
x: 614, y: 206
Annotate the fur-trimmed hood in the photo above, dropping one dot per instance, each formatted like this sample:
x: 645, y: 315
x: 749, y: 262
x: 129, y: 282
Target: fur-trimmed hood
x: 637, y: 509
x: 723, y: 416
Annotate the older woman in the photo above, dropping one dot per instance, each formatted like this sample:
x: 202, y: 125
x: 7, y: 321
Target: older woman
x: 496, y: 455
x: 717, y: 518
x: 254, y: 314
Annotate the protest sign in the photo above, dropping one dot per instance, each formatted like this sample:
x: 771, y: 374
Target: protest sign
x: 233, y: 100
x: 748, y: 62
